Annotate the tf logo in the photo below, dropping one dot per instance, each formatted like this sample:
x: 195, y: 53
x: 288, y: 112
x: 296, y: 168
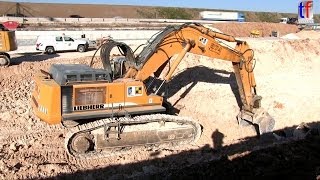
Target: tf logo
x: 305, y: 10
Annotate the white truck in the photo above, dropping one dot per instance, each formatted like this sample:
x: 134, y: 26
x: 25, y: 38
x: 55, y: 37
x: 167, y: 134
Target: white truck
x: 51, y: 44
x: 222, y: 16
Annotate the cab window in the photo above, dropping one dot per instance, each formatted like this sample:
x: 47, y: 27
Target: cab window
x: 59, y: 38
x: 68, y: 38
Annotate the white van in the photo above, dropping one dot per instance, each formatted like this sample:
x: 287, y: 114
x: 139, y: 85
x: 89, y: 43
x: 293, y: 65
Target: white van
x: 51, y: 44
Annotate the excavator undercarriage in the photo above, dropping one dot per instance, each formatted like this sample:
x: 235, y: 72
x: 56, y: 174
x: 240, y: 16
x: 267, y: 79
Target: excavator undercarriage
x: 114, y: 136
x: 119, y: 109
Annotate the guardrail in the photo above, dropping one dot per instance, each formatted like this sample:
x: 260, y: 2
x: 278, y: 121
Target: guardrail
x: 50, y: 20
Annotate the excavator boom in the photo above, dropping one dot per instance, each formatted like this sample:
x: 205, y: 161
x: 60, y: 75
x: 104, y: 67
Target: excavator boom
x: 197, y: 39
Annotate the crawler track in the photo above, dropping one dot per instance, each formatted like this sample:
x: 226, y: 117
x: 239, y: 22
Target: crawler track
x: 136, y: 121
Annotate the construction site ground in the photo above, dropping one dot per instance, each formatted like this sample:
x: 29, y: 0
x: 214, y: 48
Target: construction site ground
x: 287, y: 73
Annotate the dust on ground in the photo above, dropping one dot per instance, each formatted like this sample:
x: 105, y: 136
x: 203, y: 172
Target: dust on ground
x: 287, y: 74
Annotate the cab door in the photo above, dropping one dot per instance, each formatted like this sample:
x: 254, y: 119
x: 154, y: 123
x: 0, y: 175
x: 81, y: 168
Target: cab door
x: 59, y: 45
x: 68, y: 43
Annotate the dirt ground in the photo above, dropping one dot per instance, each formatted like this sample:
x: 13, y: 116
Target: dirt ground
x: 265, y: 29
x: 287, y: 74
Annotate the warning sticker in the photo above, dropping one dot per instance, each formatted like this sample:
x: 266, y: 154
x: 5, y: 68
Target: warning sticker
x: 134, y: 91
x: 203, y: 40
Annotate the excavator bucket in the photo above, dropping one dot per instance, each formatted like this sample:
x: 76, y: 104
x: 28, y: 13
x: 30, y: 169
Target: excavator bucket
x: 261, y: 120
x: 264, y: 121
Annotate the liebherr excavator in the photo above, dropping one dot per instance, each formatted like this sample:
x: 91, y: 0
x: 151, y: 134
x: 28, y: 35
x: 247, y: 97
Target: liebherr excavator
x: 115, y: 108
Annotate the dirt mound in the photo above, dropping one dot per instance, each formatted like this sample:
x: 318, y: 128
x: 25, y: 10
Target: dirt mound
x: 290, y: 36
x: 244, y: 29
x: 308, y: 34
x: 305, y: 34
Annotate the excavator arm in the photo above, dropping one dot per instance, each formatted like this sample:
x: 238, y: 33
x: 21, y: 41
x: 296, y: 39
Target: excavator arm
x: 197, y: 39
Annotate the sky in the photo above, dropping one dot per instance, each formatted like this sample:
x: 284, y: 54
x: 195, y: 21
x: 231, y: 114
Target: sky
x: 290, y: 6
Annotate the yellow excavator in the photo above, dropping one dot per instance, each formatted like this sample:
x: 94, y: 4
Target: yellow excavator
x: 255, y: 33
x: 114, y: 109
x: 7, y: 43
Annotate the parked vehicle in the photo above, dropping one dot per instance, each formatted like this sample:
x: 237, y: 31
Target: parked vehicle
x: 51, y: 44
x: 287, y: 20
x: 222, y: 16
x: 7, y: 43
